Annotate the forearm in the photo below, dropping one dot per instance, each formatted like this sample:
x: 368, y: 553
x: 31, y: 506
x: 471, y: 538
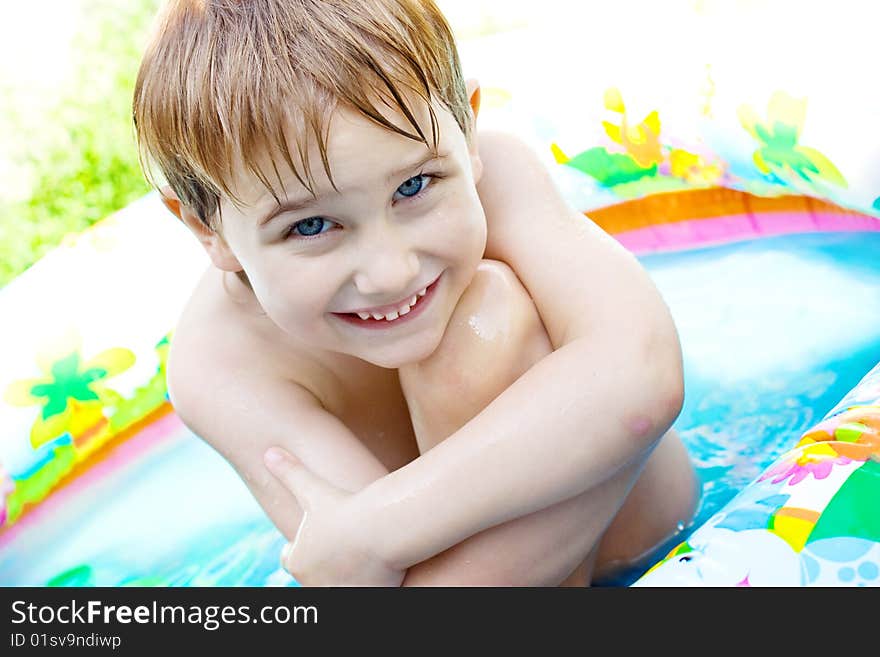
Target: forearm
x: 540, y: 549
x: 569, y: 423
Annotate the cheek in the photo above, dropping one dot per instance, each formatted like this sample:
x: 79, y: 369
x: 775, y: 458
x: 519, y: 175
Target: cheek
x: 463, y: 228
x: 292, y: 296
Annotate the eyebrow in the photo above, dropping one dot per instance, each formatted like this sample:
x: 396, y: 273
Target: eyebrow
x: 297, y: 205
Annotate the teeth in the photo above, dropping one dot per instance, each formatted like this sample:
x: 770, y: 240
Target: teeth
x: 404, y: 308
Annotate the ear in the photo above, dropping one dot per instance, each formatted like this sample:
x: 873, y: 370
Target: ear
x: 213, y: 243
x: 473, y: 92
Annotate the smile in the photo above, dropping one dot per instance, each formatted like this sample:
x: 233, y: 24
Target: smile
x: 395, y: 314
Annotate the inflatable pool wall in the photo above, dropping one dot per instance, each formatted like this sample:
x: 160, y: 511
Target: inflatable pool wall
x: 84, y: 357
x: 811, y: 519
x: 701, y: 155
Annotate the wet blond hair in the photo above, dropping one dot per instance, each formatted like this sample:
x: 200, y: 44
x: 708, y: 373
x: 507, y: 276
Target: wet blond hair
x: 223, y: 83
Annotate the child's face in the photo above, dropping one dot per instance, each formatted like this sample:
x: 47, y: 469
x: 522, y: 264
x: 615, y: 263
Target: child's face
x: 402, y: 222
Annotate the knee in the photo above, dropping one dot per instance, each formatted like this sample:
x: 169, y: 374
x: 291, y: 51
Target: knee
x: 495, y: 307
x: 494, y: 334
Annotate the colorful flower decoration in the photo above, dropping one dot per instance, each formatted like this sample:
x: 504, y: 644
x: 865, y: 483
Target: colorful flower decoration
x: 641, y: 140
x: 817, y: 460
x: 646, y: 165
x: 856, y: 432
x: 693, y: 168
x: 73, y: 392
x: 779, y: 154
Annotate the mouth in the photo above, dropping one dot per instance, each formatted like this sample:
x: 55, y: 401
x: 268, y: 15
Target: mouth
x: 393, y: 318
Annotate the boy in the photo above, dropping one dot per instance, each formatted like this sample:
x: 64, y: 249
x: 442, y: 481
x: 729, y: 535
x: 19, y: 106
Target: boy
x: 391, y: 294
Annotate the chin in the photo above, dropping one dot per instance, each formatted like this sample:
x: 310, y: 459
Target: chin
x: 394, y: 359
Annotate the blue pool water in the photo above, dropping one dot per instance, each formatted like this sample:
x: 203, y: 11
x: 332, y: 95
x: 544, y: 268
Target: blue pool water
x: 774, y: 332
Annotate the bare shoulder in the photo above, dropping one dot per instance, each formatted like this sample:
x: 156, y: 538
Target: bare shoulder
x: 504, y: 150
x: 518, y: 192
x: 501, y: 141
x: 219, y: 349
x: 581, y: 279
x: 200, y: 345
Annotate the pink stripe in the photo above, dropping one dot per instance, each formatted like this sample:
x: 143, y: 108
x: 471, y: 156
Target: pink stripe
x: 162, y: 431
x: 731, y: 228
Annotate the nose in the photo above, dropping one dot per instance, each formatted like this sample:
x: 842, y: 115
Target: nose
x: 388, y: 265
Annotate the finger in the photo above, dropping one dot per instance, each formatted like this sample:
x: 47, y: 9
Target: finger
x: 295, y: 477
x: 285, y: 556
x: 291, y: 559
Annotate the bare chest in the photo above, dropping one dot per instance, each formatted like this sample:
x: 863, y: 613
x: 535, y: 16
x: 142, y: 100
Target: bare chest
x: 375, y: 410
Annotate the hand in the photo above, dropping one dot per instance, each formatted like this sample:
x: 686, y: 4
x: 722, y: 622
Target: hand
x: 330, y: 548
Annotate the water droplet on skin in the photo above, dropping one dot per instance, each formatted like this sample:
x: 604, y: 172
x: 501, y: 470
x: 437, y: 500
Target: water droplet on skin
x: 485, y: 328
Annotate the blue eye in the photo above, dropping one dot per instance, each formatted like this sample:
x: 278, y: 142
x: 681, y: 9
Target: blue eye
x: 310, y: 227
x: 413, y: 186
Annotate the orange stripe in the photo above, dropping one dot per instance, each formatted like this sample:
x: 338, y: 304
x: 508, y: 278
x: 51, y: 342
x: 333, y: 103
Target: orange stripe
x: 801, y: 514
x: 671, y: 207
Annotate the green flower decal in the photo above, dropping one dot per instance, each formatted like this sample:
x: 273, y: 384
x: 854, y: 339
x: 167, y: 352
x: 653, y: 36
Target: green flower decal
x: 73, y: 392
x: 779, y: 153
x: 68, y: 381
x: 646, y: 165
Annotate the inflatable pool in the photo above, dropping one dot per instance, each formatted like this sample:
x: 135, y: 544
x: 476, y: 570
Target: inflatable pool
x: 809, y: 520
x: 758, y: 226
x: 99, y: 481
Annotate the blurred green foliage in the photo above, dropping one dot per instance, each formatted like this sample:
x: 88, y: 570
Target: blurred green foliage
x: 84, y: 166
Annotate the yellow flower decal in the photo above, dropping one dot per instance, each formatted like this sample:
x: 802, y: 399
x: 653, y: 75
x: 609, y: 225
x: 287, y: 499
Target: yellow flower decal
x: 642, y: 140
x: 691, y: 167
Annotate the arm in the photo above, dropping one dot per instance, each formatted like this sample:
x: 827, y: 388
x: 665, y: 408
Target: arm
x: 616, y: 368
x: 241, y: 411
x: 540, y: 549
